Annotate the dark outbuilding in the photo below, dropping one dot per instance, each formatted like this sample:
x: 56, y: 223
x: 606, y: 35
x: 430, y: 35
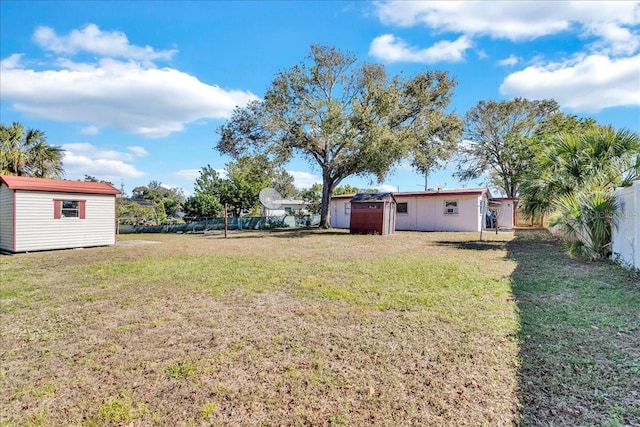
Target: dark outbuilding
x: 373, y: 213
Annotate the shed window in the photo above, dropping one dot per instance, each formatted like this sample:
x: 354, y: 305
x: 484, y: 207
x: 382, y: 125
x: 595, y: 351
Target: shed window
x: 402, y: 208
x: 450, y: 207
x: 69, y: 209
x: 347, y: 208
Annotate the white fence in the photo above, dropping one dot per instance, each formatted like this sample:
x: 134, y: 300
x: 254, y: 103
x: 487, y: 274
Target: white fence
x: 626, y: 235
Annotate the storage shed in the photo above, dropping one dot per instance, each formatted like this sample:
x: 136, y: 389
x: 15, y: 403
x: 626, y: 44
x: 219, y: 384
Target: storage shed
x: 373, y: 213
x: 42, y: 214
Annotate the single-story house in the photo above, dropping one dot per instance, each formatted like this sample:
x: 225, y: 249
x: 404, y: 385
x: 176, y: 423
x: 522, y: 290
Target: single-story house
x: 373, y: 213
x: 42, y: 214
x: 433, y: 210
x: 626, y: 230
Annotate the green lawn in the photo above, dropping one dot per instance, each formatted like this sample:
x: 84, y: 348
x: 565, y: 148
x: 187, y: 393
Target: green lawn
x: 318, y: 328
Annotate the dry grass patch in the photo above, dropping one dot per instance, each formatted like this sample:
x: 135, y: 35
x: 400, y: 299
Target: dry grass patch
x: 283, y: 328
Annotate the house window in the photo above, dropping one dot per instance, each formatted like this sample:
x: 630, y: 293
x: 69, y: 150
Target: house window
x: 288, y: 210
x: 402, y: 208
x: 347, y: 208
x: 69, y: 209
x: 450, y: 207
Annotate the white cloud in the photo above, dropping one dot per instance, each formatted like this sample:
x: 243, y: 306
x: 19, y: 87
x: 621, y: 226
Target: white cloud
x: 303, y: 180
x: 386, y: 188
x: 393, y: 49
x: 138, y: 151
x: 132, y: 96
x: 187, y: 174
x: 586, y: 84
x: 508, y: 62
x: 614, y: 39
x: 82, y: 159
x: 90, y: 130
x: 514, y: 20
x: 89, y: 150
x: 91, y: 39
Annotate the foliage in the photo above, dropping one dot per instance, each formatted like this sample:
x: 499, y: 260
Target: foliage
x: 202, y: 205
x: 246, y: 176
x: 346, y: 119
x: 430, y: 154
x: 313, y: 198
x: 345, y: 189
x: 208, y: 182
x: 282, y: 181
x: 131, y: 212
x: 90, y: 178
x: 501, y: 140
x: 585, y: 220
x: 168, y: 201
x: 576, y: 177
x: 25, y: 152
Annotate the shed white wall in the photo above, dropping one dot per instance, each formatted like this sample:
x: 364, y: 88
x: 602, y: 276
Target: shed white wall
x: 626, y: 236
x: 6, y: 218
x: 36, y: 229
x: 424, y: 213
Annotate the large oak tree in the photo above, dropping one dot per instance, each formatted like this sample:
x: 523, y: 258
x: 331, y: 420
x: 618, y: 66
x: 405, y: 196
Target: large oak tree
x: 502, y: 138
x: 345, y: 118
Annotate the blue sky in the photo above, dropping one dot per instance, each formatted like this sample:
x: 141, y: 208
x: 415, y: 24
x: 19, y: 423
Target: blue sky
x: 134, y: 91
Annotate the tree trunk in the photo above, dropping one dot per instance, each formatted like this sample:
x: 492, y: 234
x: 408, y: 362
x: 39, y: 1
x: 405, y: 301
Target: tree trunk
x: 325, y: 214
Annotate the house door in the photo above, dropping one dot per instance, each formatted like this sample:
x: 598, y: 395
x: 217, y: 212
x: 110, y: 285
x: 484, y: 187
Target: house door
x: 491, y: 219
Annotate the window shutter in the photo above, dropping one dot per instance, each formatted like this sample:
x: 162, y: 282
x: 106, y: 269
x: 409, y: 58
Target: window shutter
x: 57, y: 209
x: 82, y: 205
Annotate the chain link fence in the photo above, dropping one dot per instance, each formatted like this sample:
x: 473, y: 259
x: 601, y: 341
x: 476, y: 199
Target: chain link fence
x: 245, y: 223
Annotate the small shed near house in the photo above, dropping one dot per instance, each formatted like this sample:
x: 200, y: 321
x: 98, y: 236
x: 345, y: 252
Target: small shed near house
x: 43, y: 214
x: 373, y: 213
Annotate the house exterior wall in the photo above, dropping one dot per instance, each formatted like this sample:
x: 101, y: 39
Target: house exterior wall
x: 340, y: 211
x: 506, y: 212
x: 428, y: 213
x: 36, y: 228
x: 626, y: 235
x: 286, y: 205
x: 424, y: 212
x: 6, y: 219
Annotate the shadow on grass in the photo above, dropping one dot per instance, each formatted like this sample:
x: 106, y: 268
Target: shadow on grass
x: 475, y: 246
x: 285, y: 233
x: 579, y: 336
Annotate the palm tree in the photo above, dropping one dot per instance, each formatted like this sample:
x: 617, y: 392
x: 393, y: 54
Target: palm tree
x: 27, y: 153
x: 577, y: 176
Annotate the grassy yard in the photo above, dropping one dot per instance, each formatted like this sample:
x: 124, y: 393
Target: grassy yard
x: 318, y: 328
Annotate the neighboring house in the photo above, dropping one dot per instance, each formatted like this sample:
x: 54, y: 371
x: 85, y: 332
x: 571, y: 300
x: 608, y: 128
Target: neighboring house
x: 286, y: 207
x: 443, y: 210
x: 373, y: 213
x: 626, y: 232
x: 42, y: 214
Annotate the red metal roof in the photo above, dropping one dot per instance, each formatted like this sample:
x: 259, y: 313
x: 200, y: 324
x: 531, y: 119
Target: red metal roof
x: 56, y: 185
